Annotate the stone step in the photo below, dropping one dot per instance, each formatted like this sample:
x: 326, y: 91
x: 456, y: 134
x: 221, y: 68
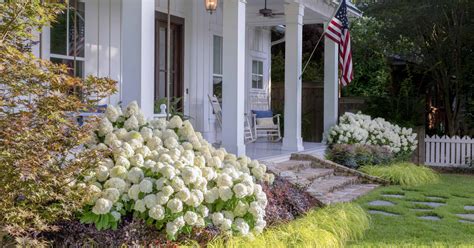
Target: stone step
x: 290, y: 165
x: 321, y: 187
x: 347, y: 194
x: 306, y: 176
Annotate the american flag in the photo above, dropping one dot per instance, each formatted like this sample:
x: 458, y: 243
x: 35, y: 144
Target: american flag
x: 338, y: 31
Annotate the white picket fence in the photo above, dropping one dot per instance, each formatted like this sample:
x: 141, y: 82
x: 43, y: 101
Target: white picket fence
x: 448, y: 151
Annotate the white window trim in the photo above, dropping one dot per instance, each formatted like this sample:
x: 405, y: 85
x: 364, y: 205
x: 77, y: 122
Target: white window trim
x: 260, y: 75
x: 47, y: 39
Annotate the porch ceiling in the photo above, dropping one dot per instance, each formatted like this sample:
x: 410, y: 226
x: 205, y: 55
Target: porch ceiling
x: 316, y: 11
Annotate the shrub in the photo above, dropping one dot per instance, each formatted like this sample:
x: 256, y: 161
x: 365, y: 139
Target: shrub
x: 168, y: 175
x: 362, y: 129
x: 406, y: 174
x: 332, y: 226
x: 354, y: 156
x: 38, y: 134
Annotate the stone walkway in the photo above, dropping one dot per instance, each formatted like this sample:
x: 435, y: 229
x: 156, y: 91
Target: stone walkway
x: 431, y: 205
x: 328, y: 185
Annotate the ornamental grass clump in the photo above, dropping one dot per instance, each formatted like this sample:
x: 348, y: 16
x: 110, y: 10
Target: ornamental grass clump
x: 362, y: 129
x: 166, y: 174
x: 406, y: 174
x: 332, y: 226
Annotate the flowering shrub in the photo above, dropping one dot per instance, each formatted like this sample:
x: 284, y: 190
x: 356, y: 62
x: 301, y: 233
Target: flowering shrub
x: 356, y: 155
x: 362, y: 129
x: 167, y: 174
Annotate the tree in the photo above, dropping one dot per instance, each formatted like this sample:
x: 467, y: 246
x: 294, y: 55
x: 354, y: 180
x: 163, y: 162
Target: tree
x: 442, y: 34
x: 40, y: 142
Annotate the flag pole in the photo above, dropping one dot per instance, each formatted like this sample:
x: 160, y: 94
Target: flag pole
x: 319, y: 41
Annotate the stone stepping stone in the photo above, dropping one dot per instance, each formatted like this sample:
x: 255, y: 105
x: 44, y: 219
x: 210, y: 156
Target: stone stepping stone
x: 381, y: 203
x: 466, y: 221
x: 382, y: 213
x: 469, y: 208
x: 466, y: 216
x: 435, y: 198
x: 431, y: 204
x: 429, y: 217
x: 393, y: 195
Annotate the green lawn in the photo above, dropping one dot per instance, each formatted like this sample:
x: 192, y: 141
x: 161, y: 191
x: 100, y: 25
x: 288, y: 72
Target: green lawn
x: 407, y: 230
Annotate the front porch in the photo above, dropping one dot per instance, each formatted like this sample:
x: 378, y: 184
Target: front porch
x: 269, y: 151
x: 242, y: 37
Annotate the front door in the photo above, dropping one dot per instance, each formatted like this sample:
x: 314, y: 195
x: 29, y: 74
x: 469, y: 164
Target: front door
x: 176, y: 58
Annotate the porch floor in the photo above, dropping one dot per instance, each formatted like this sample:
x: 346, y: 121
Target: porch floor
x: 269, y: 151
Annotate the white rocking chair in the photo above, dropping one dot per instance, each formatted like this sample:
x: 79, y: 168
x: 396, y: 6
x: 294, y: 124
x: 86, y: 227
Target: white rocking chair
x: 267, y: 127
x: 216, y: 107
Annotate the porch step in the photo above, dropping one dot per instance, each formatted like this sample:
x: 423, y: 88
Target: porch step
x: 323, y: 187
x: 306, y: 176
x: 290, y: 165
x: 347, y: 194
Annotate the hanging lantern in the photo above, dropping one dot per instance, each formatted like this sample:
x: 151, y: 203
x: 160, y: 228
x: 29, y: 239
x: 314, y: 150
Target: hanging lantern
x: 211, y: 5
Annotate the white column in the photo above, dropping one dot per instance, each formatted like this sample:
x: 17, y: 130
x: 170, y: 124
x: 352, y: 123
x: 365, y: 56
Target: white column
x: 293, y: 59
x: 233, y: 90
x: 331, y: 84
x: 138, y: 53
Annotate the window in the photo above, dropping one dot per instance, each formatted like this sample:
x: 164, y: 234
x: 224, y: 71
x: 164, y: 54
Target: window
x: 67, y: 38
x: 257, y: 74
x: 217, y: 67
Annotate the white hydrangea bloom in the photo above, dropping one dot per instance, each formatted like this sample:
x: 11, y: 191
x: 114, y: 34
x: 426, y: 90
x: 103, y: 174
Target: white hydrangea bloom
x: 131, y: 123
x: 150, y: 200
x: 135, y: 175
x: 146, y: 186
x: 184, y: 175
x: 134, y: 191
x: 111, y: 113
x: 139, y: 206
x: 225, y: 193
x: 175, y: 205
x: 111, y: 194
x: 190, y: 218
x: 161, y: 198
x: 131, y: 109
x: 175, y: 122
x: 157, y: 212
x: 102, y: 206
x: 105, y: 127
x: 117, y: 183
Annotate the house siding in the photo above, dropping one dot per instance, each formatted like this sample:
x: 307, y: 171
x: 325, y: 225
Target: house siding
x: 103, y: 53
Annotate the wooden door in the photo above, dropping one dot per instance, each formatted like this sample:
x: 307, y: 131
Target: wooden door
x: 176, y: 57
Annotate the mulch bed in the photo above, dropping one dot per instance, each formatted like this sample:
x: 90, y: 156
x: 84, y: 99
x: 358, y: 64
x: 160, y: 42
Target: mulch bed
x: 285, y: 203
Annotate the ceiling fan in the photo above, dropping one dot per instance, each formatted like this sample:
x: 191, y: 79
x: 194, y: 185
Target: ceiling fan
x: 268, y: 12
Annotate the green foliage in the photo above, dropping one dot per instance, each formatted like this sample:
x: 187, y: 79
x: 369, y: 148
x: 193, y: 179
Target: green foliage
x: 332, y: 226
x: 372, y: 73
x: 175, y: 107
x: 407, y: 230
x: 441, y: 34
x: 354, y: 156
x: 39, y: 136
x: 406, y: 174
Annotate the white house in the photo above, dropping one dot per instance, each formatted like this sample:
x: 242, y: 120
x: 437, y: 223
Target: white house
x: 126, y: 41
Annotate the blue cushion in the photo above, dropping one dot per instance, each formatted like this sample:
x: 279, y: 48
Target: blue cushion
x: 262, y: 114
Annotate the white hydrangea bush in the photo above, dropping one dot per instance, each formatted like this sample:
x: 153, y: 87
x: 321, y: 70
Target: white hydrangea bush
x: 167, y: 174
x: 362, y: 129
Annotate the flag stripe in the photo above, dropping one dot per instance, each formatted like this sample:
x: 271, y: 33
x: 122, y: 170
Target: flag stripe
x: 338, y: 31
